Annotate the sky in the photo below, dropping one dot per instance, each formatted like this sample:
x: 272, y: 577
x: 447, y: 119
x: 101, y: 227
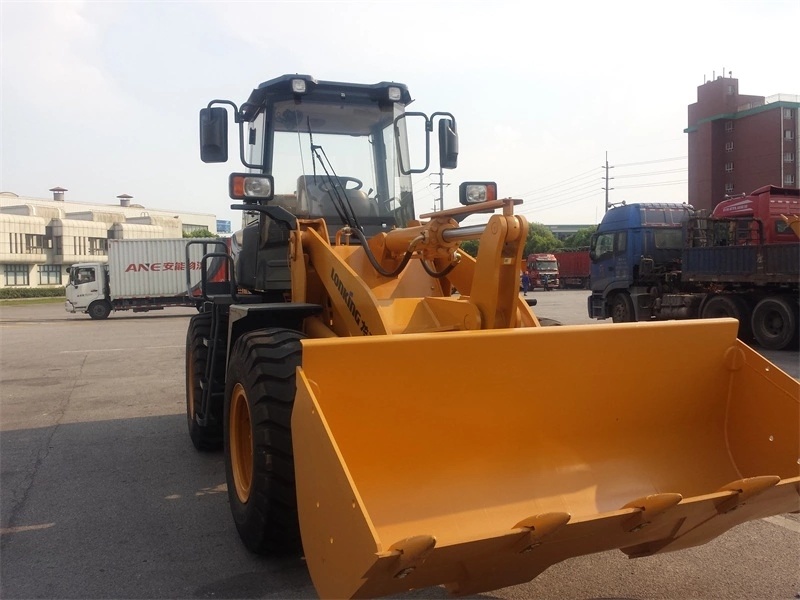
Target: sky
x: 102, y: 98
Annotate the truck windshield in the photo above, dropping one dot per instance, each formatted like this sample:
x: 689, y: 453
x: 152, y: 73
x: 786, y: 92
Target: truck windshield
x: 322, y: 153
x: 546, y: 265
x: 79, y: 275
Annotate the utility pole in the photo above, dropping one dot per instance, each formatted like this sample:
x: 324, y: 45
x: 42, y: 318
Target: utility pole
x: 441, y: 185
x: 607, y: 178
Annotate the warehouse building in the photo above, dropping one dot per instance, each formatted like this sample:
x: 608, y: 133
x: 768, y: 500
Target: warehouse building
x: 40, y: 237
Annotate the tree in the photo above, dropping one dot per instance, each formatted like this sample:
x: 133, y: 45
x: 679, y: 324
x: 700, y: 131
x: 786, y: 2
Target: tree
x: 540, y: 239
x: 470, y: 247
x: 581, y: 238
x: 199, y: 233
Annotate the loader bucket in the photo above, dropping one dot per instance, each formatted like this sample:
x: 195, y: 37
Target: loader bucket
x: 478, y: 459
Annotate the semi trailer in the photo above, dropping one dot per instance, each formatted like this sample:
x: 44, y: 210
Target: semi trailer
x: 574, y: 267
x: 670, y: 261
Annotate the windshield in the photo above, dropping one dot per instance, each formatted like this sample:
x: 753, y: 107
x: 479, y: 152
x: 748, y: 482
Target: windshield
x: 337, y: 161
x: 78, y: 275
x: 546, y: 265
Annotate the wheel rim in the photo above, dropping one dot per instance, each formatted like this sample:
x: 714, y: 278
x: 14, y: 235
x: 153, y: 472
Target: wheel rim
x: 773, y: 323
x: 241, y: 443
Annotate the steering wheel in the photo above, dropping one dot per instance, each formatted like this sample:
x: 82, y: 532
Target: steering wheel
x: 325, y: 186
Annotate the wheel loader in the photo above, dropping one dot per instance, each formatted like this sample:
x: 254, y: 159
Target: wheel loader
x: 362, y: 373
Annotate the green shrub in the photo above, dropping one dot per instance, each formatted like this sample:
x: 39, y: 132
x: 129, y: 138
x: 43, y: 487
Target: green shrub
x: 10, y: 293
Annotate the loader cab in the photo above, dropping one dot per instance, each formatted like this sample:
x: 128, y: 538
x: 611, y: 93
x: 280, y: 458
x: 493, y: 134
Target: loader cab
x: 331, y: 150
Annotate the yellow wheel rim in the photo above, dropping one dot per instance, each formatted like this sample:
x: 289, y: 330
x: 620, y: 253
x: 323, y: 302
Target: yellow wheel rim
x: 241, y: 444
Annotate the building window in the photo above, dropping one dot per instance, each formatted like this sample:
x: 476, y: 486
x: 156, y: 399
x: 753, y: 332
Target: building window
x: 729, y: 147
x: 34, y: 244
x: 728, y: 167
x: 49, y: 274
x: 728, y: 188
x: 15, y: 243
x: 788, y: 134
x: 728, y: 126
x: 788, y: 179
x: 98, y: 246
x: 787, y: 113
x: 17, y: 275
x: 731, y: 90
x: 79, y: 246
x: 788, y: 157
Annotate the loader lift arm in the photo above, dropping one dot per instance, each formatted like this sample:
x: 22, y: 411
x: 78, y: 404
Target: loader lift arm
x: 364, y: 301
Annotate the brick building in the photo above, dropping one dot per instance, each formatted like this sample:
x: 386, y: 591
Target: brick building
x: 738, y: 143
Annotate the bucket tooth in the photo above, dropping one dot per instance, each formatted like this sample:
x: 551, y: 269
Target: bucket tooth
x: 411, y: 553
x: 648, y: 508
x: 744, y: 489
x: 538, y: 527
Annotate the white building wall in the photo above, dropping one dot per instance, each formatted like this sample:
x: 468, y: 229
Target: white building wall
x: 40, y: 237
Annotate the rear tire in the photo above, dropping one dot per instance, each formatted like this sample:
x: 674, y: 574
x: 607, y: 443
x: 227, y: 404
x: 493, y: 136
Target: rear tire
x: 728, y: 305
x: 208, y: 437
x: 259, y: 459
x: 774, y: 322
x: 99, y: 309
x: 622, y: 308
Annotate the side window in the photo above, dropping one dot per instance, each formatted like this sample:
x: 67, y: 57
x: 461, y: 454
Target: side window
x: 604, y: 245
x: 620, y: 241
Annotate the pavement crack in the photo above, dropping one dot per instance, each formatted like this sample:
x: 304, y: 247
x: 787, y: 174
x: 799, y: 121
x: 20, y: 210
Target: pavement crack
x: 41, y: 456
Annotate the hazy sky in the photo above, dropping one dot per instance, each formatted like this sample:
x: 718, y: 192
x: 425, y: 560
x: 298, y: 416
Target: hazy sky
x: 102, y: 97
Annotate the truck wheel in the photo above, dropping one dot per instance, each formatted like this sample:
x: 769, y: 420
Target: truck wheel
x: 99, y: 309
x: 774, y: 323
x: 728, y: 305
x: 208, y: 437
x: 622, y: 308
x: 259, y: 460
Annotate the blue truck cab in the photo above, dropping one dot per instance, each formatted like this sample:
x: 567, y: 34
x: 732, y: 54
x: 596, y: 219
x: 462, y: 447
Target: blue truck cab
x: 635, y: 248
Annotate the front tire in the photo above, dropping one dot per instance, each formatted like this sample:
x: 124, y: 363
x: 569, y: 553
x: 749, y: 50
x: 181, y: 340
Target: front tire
x: 208, y: 437
x: 622, y: 308
x: 259, y: 460
x: 99, y: 309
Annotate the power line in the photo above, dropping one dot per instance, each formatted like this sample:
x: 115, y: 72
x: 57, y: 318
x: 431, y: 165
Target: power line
x: 650, y: 162
x: 651, y: 173
x: 643, y: 185
x: 558, y: 184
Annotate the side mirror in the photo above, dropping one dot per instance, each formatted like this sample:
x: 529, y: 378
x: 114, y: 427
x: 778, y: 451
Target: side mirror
x: 214, y: 135
x: 448, y: 144
x: 592, y: 246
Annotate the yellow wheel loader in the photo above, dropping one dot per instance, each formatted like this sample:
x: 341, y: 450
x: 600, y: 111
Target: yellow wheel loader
x: 364, y: 377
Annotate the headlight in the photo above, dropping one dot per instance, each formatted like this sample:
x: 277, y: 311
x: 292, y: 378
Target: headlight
x: 476, y: 192
x: 299, y: 86
x: 250, y: 187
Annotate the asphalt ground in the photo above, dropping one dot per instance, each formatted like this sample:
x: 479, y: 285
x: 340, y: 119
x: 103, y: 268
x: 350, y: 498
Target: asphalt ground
x: 102, y: 494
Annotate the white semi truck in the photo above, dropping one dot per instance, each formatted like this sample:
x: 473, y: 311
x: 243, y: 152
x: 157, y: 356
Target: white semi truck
x: 143, y: 275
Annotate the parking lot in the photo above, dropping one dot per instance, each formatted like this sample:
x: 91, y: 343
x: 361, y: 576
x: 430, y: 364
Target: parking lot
x: 102, y: 494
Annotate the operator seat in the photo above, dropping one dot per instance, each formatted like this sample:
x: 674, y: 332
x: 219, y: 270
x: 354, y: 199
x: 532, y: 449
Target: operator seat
x: 315, y: 200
